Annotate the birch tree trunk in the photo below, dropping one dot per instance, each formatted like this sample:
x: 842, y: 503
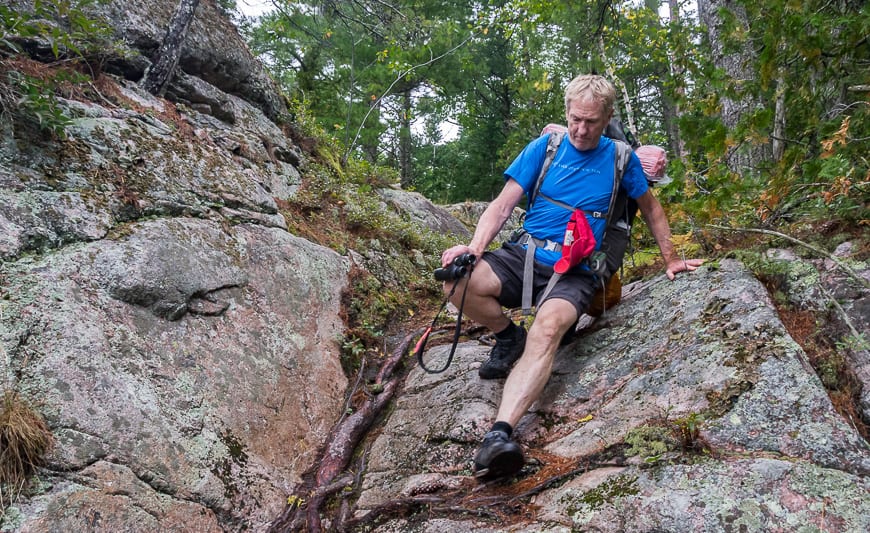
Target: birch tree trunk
x: 405, y: 145
x: 628, y: 119
x: 159, y: 75
x: 669, y: 106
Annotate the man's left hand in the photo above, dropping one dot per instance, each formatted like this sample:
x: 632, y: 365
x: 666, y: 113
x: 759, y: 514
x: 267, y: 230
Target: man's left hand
x: 682, y: 265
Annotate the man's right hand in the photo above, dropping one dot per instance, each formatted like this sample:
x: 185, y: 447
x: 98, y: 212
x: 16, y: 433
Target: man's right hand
x: 452, y: 253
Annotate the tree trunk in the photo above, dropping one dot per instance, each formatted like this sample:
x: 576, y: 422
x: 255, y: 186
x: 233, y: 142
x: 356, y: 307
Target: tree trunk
x: 405, y: 140
x: 672, y: 110
x: 158, y: 76
x: 745, y: 156
x: 777, y: 143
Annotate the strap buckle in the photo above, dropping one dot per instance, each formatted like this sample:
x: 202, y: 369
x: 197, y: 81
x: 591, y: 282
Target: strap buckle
x: 550, y: 246
x: 544, y: 244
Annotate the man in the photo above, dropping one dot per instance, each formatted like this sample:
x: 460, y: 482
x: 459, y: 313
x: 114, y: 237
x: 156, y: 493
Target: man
x: 581, y: 175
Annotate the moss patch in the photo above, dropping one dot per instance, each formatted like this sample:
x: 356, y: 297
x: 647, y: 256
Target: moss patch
x: 604, y: 494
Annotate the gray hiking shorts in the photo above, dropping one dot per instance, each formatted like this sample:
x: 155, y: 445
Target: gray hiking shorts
x: 576, y: 286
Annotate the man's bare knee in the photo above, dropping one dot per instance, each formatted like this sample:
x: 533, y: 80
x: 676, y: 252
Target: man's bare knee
x: 553, y: 320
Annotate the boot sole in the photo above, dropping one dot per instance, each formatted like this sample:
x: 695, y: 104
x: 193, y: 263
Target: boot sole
x: 502, y: 465
x: 493, y: 374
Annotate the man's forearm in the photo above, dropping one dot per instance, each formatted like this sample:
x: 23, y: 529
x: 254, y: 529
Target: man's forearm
x: 494, y: 217
x: 662, y: 234
x: 655, y: 218
x: 490, y: 223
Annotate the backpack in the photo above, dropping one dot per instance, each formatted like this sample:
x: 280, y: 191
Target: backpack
x: 615, y: 130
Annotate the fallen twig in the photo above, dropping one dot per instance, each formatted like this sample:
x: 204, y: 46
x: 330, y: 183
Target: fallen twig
x: 846, y: 268
x: 359, y: 377
x: 393, y: 507
x: 844, y: 315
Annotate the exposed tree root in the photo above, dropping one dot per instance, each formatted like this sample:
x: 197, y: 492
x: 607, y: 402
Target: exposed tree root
x: 303, y: 507
x: 499, y: 501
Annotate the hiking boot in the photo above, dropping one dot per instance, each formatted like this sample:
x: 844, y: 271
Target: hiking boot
x: 497, y: 457
x: 503, y: 356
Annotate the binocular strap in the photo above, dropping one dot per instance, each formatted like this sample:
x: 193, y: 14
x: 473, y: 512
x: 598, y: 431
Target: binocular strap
x: 421, y: 344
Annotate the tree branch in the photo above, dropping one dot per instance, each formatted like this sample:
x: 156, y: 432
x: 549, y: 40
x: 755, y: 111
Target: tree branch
x: 390, y: 88
x: 846, y: 268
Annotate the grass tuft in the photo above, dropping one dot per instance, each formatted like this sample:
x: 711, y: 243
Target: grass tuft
x: 25, y: 439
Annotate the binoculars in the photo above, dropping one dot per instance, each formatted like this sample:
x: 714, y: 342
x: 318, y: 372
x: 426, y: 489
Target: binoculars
x: 458, y: 269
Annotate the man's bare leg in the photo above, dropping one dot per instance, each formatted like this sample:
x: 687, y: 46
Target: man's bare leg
x: 499, y: 456
x: 481, y: 299
x: 531, y: 373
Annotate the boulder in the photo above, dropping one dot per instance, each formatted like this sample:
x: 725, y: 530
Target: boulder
x: 423, y: 212
x: 168, y: 362
x: 213, y: 50
x: 686, y: 406
x: 155, y: 306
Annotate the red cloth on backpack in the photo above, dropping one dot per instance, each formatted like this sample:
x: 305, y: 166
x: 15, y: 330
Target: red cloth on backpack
x: 579, y: 242
x: 653, y: 159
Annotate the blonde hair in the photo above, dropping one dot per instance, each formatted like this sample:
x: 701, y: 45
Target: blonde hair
x: 592, y: 87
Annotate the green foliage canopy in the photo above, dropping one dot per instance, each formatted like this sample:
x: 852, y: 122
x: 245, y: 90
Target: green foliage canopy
x: 386, y: 77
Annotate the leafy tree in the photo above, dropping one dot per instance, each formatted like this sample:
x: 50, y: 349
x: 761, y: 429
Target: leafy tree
x: 485, y: 109
x: 360, y: 65
x: 798, y: 110
x: 813, y: 66
x: 760, y: 119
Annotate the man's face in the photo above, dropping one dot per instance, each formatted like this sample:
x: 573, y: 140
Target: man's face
x: 586, y: 122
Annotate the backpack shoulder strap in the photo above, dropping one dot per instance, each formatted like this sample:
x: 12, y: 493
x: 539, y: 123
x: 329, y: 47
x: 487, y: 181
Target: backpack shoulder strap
x: 623, y: 154
x: 620, y: 161
x: 553, y: 143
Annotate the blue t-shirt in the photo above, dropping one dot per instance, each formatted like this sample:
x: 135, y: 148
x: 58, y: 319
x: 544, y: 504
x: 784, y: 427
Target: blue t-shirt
x: 583, y: 179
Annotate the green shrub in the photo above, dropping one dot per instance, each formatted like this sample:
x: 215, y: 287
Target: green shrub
x: 29, y: 90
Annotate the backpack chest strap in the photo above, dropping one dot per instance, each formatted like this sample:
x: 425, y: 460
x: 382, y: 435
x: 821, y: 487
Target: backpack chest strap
x: 528, y: 277
x: 544, y: 244
x: 563, y: 205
